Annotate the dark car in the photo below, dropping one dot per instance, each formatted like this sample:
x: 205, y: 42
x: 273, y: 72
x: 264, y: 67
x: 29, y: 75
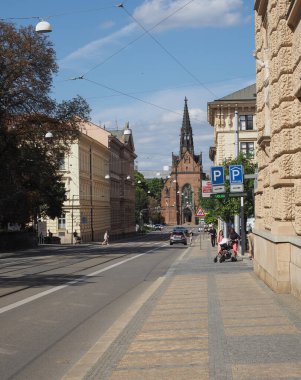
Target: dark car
x: 158, y: 227
x: 178, y: 237
x: 181, y: 228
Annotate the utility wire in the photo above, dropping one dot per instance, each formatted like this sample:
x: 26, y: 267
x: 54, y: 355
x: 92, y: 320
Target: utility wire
x: 165, y: 50
x: 128, y: 95
x: 138, y: 38
x: 56, y: 15
x: 131, y: 96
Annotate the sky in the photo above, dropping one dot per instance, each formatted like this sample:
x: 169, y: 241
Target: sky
x: 136, y: 62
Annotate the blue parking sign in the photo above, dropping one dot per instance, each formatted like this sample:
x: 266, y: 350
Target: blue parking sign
x: 236, y: 174
x: 217, y: 175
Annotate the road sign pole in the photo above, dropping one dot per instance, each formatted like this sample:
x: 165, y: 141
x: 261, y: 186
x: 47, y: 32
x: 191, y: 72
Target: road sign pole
x: 242, y: 222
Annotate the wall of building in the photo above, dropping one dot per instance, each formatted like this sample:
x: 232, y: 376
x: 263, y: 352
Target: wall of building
x: 278, y: 204
x: 186, y: 172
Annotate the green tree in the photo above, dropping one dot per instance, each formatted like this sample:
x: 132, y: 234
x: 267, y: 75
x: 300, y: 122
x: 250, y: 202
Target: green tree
x: 141, y: 200
x: 29, y: 162
x: 148, y: 198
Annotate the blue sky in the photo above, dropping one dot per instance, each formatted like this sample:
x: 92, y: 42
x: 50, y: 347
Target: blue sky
x: 139, y: 61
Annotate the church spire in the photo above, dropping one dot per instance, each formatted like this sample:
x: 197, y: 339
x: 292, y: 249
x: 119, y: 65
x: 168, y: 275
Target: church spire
x: 186, y: 141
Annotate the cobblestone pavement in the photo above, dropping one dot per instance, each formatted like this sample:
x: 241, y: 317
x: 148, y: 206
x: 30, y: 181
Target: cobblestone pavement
x: 206, y: 321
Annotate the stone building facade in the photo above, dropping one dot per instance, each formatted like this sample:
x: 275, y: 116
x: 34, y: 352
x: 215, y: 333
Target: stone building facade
x: 122, y: 199
x: 278, y: 195
x: 221, y: 116
x: 98, y: 175
x: 180, y: 195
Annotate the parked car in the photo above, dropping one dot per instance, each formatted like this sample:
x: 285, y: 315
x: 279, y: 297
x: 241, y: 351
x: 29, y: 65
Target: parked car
x: 178, y: 236
x: 158, y: 227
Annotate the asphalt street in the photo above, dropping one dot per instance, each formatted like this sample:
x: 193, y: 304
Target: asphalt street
x: 160, y: 312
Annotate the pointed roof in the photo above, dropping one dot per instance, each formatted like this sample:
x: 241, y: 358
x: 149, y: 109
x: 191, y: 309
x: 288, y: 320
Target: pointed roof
x: 186, y: 139
x: 247, y: 93
x: 186, y: 120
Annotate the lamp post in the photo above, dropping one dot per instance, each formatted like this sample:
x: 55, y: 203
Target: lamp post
x: 177, y: 192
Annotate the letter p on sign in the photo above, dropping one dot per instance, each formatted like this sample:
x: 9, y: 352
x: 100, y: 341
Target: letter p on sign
x: 217, y: 175
x: 236, y: 174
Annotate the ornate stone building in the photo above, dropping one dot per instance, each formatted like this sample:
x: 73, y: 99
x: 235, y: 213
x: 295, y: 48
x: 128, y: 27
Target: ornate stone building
x: 180, y: 195
x: 98, y: 175
x: 278, y: 196
x: 221, y: 115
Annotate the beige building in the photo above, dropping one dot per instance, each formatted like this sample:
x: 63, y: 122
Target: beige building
x: 278, y: 197
x: 98, y: 176
x: 122, y: 201
x: 221, y: 116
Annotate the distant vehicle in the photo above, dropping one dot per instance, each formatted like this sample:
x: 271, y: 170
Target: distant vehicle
x: 158, y: 227
x: 181, y: 228
x: 178, y: 236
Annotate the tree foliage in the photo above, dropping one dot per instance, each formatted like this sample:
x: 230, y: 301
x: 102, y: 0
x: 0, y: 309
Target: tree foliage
x: 30, y: 183
x: 148, y: 198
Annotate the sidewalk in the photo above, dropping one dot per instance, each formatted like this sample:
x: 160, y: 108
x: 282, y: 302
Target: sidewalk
x: 201, y: 321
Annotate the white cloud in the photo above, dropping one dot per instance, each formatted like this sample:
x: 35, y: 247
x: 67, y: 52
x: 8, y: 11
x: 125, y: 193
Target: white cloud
x: 156, y: 132
x: 195, y: 14
x: 89, y: 51
x: 107, y: 25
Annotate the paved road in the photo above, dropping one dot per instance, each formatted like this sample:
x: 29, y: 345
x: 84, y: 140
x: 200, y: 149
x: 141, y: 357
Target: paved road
x: 188, y: 319
x: 201, y: 321
x: 56, y: 302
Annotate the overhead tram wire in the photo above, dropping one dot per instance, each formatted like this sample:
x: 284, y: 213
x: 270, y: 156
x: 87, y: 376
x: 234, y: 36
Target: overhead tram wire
x: 165, y: 50
x: 137, y: 38
x: 129, y: 96
x: 58, y: 14
x: 81, y: 77
x: 125, y: 94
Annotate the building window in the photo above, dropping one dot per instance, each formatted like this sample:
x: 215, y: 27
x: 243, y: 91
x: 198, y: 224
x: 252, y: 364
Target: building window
x: 62, y: 222
x: 247, y: 148
x: 246, y: 122
x: 62, y: 163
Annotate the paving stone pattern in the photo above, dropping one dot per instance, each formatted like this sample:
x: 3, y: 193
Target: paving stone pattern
x: 208, y: 321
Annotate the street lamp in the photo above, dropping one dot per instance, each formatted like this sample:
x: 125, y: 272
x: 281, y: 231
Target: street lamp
x: 43, y: 27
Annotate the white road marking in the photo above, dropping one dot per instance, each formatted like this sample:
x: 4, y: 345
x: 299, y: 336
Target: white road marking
x: 57, y: 288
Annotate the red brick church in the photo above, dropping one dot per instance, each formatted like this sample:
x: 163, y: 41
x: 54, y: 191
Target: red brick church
x: 180, y: 195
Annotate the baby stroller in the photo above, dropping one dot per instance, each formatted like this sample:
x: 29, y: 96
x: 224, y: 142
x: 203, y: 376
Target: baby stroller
x: 225, y: 252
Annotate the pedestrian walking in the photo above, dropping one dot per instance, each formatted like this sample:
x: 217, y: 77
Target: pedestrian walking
x: 234, y: 237
x: 105, y: 238
x: 77, y: 239
x: 251, y: 244
x: 220, y: 237
x: 212, y: 233
x: 190, y: 234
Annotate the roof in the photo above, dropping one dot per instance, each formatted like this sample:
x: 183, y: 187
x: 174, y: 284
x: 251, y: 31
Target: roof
x: 247, y: 93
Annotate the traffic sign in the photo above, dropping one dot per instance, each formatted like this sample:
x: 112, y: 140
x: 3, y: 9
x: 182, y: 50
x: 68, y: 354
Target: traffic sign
x: 217, y: 175
x: 206, y: 189
x: 237, y: 188
x: 218, y: 189
x: 218, y: 196
x: 237, y: 195
x: 200, y: 213
x: 236, y: 174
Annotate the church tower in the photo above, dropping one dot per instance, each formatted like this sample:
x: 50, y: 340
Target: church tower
x: 186, y: 142
x: 180, y: 195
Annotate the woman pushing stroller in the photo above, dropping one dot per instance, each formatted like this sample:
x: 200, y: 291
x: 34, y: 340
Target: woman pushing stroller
x: 234, y: 237
x: 227, y: 246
